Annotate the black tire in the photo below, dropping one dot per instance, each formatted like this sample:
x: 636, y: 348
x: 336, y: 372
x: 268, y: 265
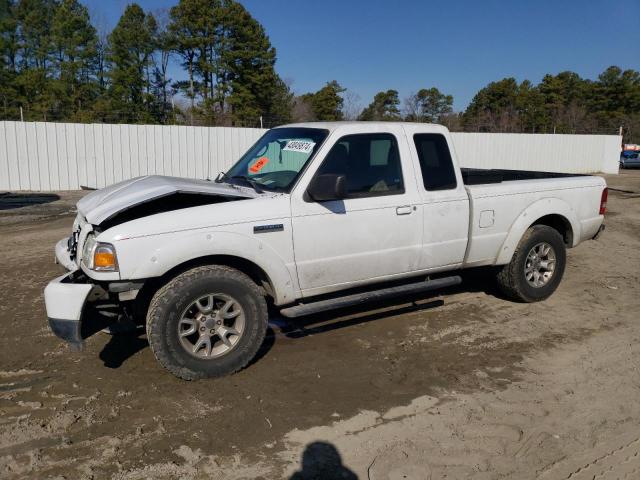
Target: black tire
x: 512, y: 279
x: 170, y: 302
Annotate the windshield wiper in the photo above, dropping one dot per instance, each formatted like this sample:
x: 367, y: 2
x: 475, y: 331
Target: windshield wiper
x: 253, y: 183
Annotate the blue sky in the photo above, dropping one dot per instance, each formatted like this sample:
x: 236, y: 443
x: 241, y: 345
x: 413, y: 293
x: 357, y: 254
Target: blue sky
x: 456, y: 46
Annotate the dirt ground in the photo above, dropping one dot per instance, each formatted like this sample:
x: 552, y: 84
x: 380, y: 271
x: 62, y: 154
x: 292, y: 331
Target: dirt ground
x: 465, y: 385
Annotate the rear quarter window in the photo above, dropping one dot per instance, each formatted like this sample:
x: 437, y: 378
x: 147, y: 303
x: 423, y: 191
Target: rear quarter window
x: 435, y: 161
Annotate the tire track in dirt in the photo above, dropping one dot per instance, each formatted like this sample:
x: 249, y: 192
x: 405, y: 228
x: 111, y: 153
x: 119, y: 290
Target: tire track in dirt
x: 621, y: 462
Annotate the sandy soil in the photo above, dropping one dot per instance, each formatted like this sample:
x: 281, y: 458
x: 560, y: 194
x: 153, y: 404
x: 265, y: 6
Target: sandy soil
x: 466, y: 385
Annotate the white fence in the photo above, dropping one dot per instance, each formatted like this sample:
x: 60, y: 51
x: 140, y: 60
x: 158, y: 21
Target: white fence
x: 64, y: 156
x: 545, y: 153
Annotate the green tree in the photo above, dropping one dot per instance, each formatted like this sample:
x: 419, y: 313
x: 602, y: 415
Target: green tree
x: 494, y: 97
x: 165, y: 44
x: 617, y: 91
x: 615, y: 102
x: 562, y: 94
x: 8, y: 35
x: 34, y: 19
x: 8, y: 52
x: 191, y: 30
x: 247, y: 62
x: 230, y: 63
x: 385, y: 106
x: 33, y: 82
x: 428, y: 105
x: 280, y: 104
x: 562, y: 89
x: 494, y: 108
x: 530, y: 109
x: 131, y: 45
x: 326, y: 104
x: 75, y: 44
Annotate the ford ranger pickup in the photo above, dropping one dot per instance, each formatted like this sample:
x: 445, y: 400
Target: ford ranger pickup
x: 313, y: 217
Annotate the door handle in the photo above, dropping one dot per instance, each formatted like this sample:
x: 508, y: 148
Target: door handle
x: 403, y: 210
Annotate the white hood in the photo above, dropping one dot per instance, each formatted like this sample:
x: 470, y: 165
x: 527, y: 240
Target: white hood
x: 102, y: 204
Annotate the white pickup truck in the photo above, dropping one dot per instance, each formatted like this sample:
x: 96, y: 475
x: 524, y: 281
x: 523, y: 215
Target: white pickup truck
x: 314, y: 216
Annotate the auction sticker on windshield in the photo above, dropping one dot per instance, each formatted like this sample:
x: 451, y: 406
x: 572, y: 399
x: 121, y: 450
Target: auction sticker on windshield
x: 259, y: 165
x: 302, y: 146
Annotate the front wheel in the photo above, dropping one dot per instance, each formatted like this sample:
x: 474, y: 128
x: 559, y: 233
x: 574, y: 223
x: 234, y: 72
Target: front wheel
x: 207, y: 322
x: 536, y: 267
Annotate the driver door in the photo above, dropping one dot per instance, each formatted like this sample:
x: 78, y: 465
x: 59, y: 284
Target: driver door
x: 375, y: 232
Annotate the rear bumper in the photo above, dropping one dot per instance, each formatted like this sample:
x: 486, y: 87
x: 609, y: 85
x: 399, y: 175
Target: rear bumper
x: 599, y: 232
x: 590, y: 228
x: 65, y: 302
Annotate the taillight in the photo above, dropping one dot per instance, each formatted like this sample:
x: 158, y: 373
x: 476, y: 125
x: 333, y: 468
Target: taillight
x: 603, y: 201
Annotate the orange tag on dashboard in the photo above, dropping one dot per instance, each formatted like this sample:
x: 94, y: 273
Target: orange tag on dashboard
x: 260, y: 163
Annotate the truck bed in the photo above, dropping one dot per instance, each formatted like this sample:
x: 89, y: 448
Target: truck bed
x: 499, y: 200
x: 480, y: 176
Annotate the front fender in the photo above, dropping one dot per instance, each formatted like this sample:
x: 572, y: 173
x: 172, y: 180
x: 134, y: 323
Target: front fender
x: 149, y: 257
x: 535, y: 211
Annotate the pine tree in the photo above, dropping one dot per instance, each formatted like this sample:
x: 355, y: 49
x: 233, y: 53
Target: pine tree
x: 8, y: 52
x: 383, y: 108
x: 131, y: 45
x: 560, y: 93
x: 194, y: 40
x: 161, y: 81
x: 33, y: 83
x: 428, y: 105
x: 280, y: 105
x: 493, y: 107
x: 326, y: 104
x: 75, y: 44
x: 230, y: 63
x: 529, y: 106
x: 248, y: 61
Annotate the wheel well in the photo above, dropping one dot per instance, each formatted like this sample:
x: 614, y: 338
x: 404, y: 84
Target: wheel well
x: 247, y: 267
x: 559, y: 223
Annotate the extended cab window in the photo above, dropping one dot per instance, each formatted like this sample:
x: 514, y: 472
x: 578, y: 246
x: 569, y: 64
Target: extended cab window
x: 435, y: 161
x: 370, y: 163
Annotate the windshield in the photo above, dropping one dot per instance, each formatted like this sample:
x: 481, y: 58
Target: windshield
x: 277, y: 159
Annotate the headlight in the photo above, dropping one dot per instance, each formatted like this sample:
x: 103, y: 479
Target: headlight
x: 99, y: 256
x: 76, y: 223
x: 87, y: 249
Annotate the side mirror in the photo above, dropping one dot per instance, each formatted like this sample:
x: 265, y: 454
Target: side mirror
x: 328, y: 187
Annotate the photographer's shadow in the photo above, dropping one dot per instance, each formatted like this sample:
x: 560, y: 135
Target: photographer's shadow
x: 321, y: 460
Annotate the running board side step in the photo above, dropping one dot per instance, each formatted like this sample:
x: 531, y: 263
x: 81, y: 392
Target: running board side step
x: 360, y: 298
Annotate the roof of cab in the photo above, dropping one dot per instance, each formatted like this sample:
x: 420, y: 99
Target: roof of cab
x: 335, y: 125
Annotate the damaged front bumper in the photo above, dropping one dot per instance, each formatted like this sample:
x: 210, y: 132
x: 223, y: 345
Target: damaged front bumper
x: 63, y: 257
x: 65, y: 301
x: 77, y: 306
x: 65, y: 297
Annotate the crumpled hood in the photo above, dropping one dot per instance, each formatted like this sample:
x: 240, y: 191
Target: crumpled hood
x: 102, y: 204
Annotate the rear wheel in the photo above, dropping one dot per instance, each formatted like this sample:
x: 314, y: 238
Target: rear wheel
x: 537, y: 266
x: 207, y: 322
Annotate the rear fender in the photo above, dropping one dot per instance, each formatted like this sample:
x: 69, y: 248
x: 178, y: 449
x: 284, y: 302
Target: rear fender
x: 535, y: 211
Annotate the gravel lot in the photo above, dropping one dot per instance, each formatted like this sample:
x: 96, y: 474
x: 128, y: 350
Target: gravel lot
x: 466, y: 385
